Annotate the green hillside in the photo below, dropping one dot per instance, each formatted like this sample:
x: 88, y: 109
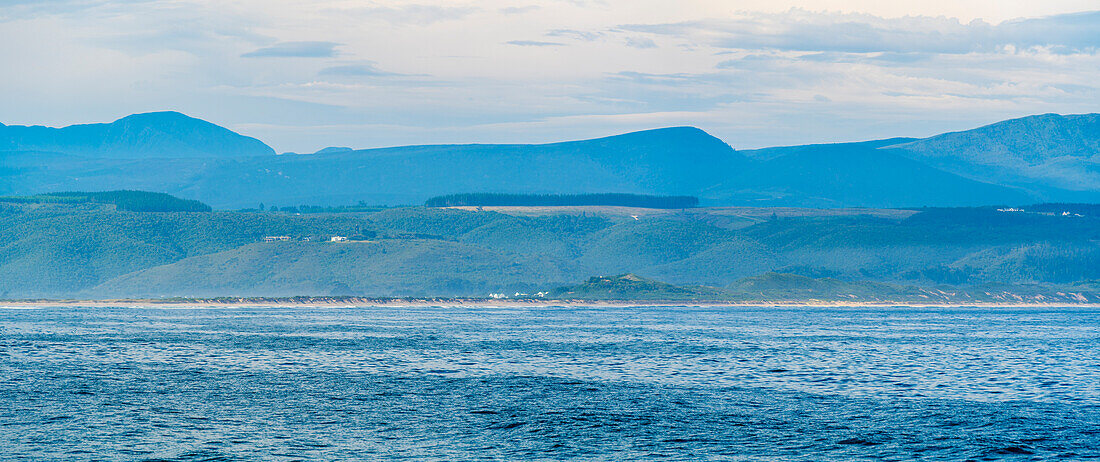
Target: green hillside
x: 92, y: 249
x: 413, y: 267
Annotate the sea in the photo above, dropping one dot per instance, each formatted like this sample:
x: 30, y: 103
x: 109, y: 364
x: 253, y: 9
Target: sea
x: 549, y: 383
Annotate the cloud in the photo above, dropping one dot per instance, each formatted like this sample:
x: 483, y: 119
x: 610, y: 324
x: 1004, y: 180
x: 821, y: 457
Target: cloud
x: 366, y: 69
x: 534, y: 43
x: 417, y: 14
x: 753, y: 78
x: 640, y: 42
x: 664, y: 79
x: 800, y: 30
x: 1067, y: 33
x: 586, y: 36
x: 756, y: 61
x: 295, y: 50
x: 22, y: 9
x: 520, y: 9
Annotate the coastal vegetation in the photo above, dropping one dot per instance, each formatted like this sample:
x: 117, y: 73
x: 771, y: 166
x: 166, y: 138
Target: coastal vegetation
x: 782, y: 288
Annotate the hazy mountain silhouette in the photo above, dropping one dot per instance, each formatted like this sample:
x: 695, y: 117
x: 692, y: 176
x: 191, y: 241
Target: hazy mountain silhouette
x: 1043, y: 151
x: 1034, y: 159
x: 139, y: 136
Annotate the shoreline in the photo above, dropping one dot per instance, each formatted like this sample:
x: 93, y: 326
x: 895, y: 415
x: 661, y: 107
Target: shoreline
x: 320, y: 302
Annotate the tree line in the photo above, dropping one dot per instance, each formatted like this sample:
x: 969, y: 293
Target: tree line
x: 131, y: 201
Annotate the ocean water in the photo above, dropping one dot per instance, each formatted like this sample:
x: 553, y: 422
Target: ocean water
x: 549, y: 384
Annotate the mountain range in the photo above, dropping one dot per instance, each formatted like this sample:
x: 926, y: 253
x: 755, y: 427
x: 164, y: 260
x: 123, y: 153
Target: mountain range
x: 1043, y: 158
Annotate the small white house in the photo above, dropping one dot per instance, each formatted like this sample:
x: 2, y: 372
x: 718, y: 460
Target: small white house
x: 276, y: 238
x: 338, y: 239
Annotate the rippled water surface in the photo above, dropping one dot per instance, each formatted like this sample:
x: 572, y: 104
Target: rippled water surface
x: 549, y: 384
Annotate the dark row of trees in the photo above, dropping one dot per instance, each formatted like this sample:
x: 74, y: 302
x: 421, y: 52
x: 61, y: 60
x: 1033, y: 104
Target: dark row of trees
x: 132, y: 201
x: 536, y: 200
x: 305, y: 208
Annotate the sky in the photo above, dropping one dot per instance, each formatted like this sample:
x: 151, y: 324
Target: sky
x: 303, y: 75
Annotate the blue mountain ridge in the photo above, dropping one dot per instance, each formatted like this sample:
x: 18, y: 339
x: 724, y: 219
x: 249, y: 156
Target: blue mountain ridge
x: 1043, y: 151
x: 138, y: 136
x: 1005, y: 163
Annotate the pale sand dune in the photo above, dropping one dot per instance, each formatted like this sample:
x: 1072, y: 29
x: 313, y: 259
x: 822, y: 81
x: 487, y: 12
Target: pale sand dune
x: 756, y: 213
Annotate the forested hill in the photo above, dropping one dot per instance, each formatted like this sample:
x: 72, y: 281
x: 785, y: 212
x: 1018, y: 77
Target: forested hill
x: 91, y: 249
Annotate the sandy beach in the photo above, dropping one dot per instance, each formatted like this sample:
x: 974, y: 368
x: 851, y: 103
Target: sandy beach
x: 306, y: 302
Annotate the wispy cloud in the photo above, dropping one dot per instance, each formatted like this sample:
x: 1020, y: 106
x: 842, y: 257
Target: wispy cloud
x: 799, y: 30
x: 585, y: 36
x: 533, y: 43
x: 358, y: 69
x: 10, y: 9
x: 417, y: 14
x: 752, y: 78
x: 520, y: 9
x: 640, y: 42
x: 295, y: 50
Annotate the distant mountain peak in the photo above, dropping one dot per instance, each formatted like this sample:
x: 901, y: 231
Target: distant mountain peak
x: 673, y: 129
x: 1041, y: 121
x: 158, y: 115
x: 669, y: 132
x: 683, y: 140
x: 1047, y: 148
x: 165, y: 134
x: 161, y: 118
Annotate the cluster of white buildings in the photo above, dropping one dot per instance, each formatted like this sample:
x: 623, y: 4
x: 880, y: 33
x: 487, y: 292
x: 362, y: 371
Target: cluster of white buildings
x: 519, y: 295
x: 304, y: 239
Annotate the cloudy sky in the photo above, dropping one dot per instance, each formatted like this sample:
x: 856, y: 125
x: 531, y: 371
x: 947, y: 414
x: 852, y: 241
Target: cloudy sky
x: 302, y: 75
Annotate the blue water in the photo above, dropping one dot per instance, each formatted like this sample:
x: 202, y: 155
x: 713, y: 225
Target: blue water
x: 549, y: 384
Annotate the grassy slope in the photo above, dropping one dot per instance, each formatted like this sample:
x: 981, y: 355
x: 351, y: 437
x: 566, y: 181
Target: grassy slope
x: 51, y: 250
x: 377, y: 268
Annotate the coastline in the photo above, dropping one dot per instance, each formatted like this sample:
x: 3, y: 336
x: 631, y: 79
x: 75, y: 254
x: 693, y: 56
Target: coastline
x: 322, y: 302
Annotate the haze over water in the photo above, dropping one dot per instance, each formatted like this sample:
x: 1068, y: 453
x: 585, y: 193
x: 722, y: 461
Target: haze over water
x: 549, y: 383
